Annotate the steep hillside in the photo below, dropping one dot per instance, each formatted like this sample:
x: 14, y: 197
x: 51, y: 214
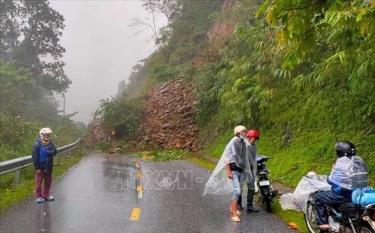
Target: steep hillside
x: 305, y: 85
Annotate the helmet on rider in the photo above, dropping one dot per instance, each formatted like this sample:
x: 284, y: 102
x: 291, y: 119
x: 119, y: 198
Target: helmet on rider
x: 345, y: 148
x: 239, y: 129
x: 252, y: 133
x: 45, y: 131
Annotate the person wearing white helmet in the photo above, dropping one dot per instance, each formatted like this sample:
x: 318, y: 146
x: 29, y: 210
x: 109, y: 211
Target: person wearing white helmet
x: 42, y: 155
x: 228, y: 172
x: 235, y: 153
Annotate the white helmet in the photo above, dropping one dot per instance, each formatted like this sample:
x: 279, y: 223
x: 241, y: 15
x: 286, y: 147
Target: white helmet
x: 45, y: 131
x: 239, y: 129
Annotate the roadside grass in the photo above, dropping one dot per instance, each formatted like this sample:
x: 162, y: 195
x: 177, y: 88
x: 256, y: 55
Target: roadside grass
x: 215, y: 148
x: 162, y: 155
x: 11, y: 194
x: 167, y: 155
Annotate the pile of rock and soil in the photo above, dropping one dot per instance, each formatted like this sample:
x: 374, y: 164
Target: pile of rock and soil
x: 169, y: 116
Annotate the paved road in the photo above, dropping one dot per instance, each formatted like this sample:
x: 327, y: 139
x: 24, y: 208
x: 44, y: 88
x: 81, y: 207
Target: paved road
x: 99, y: 195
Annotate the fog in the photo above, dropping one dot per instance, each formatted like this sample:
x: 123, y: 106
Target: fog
x: 101, y: 49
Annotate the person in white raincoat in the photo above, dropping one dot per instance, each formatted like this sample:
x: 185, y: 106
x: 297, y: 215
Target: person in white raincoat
x: 229, y: 171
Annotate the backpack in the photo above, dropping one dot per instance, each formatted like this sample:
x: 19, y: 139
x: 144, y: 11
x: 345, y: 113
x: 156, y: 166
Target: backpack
x: 363, y: 196
x: 349, y: 173
x: 358, y: 173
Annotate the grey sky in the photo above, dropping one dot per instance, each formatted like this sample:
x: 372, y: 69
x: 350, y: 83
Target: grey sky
x: 101, y: 49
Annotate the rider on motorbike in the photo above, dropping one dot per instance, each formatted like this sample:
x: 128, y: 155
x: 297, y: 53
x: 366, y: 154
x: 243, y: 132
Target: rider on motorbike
x: 340, y: 180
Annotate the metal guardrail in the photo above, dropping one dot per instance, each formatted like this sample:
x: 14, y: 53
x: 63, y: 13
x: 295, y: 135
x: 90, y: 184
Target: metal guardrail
x: 19, y: 163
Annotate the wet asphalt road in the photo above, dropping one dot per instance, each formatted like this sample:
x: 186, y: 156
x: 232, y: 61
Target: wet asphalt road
x: 99, y: 194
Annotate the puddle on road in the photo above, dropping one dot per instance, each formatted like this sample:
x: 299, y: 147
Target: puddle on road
x: 122, y: 175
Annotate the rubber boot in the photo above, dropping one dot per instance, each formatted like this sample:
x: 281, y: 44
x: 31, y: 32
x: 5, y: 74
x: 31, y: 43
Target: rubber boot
x: 250, y: 199
x: 233, y: 206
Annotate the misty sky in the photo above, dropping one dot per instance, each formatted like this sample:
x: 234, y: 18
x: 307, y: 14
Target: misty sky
x: 101, y: 49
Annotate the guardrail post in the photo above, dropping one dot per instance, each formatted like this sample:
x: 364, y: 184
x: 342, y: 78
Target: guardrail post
x: 17, y: 177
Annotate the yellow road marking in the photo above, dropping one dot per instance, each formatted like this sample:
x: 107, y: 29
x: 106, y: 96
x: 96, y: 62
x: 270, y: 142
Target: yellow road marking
x: 136, y: 212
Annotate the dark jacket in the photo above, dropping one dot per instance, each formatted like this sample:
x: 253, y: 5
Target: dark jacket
x: 43, y: 155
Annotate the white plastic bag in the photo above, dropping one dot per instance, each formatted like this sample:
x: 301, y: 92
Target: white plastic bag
x: 307, y: 185
x: 287, y: 202
x: 219, y: 183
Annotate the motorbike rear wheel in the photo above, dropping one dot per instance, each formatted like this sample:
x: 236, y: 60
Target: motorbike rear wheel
x: 268, y: 205
x: 366, y: 229
x: 266, y: 197
x: 310, y: 218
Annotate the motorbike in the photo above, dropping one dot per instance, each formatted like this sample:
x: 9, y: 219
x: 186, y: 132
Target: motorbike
x: 343, y: 218
x: 264, y: 184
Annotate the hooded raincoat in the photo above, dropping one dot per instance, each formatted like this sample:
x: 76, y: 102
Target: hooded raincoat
x: 234, y: 152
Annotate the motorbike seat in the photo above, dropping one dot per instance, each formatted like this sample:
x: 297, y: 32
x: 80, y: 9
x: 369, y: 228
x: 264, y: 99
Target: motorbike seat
x: 346, y: 205
x: 261, y: 159
x: 348, y: 208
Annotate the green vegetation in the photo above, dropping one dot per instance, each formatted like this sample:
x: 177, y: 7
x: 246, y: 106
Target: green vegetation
x: 181, y: 41
x: 31, y: 74
x: 11, y: 194
x: 121, y: 114
x: 167, y: 155
x: 300, y: 71
x: 163, y: 155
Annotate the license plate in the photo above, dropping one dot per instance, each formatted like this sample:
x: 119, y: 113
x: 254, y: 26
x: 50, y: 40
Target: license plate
x: 264, y: 182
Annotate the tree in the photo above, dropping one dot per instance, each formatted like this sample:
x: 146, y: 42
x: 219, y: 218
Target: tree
x: 171, y: 9
x: 121, y: 114
x: 15, y: 87
x: 30, y: 34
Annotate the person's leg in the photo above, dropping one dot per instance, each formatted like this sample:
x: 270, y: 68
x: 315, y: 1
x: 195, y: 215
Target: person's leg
x: 250, y: 198
x: 38, y: 186
x: 38, y: 183
x: 322, y: 199
x: 47, y: 184
x: 235, y: 195
x: 239, y: 202
x: 242, y: 185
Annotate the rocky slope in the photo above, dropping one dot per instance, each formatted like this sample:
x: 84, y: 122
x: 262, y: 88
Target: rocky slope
x: 169, y: 116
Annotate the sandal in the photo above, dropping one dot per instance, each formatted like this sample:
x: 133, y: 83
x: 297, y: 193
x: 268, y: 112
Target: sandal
x: 235, y: 219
